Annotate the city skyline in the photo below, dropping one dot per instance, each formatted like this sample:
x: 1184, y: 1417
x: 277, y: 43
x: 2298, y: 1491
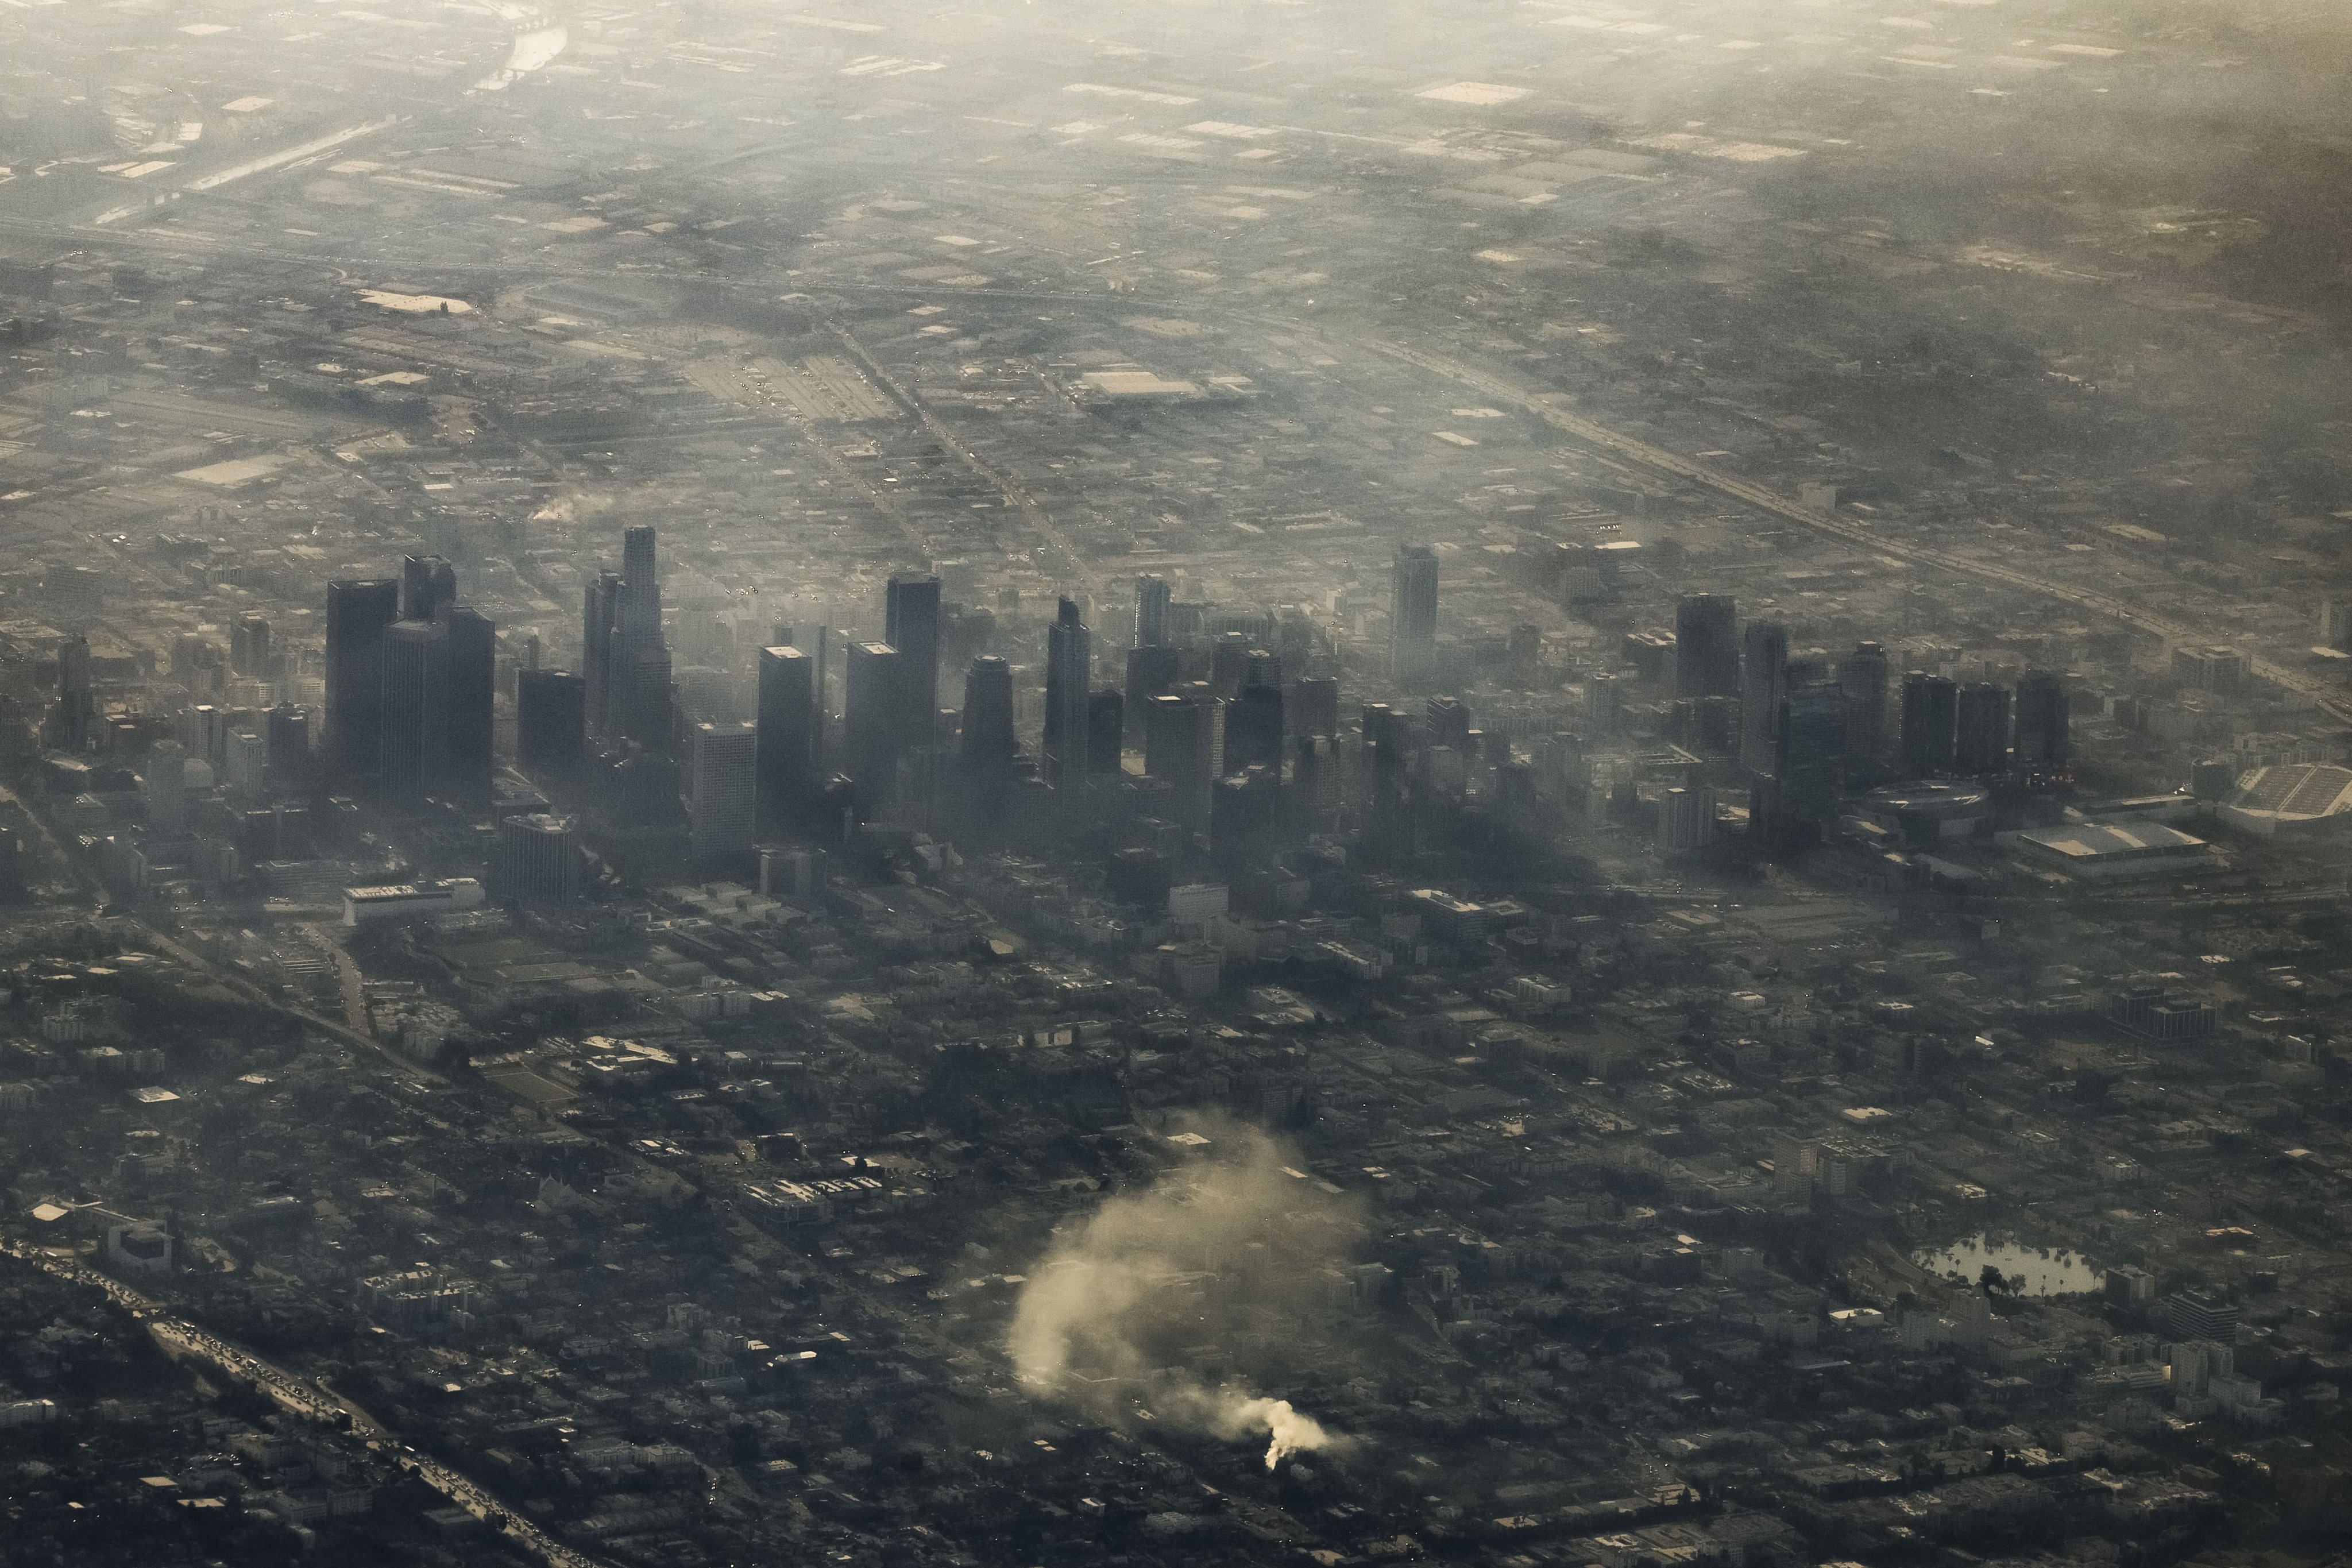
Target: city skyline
x: 1076, y: 785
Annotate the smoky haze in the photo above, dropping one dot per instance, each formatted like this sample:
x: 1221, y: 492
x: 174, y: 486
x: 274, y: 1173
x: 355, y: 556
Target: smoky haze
x: 1229, y: 1252
x: 686, y: 684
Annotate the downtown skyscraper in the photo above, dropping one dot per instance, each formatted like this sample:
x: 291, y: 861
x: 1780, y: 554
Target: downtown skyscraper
x: 1413, y: 614
x: 624, y: 658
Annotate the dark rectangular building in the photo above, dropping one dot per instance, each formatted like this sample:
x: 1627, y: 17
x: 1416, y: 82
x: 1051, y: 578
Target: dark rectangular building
x: 550, y: 719
x: 790, y: 737
x: 358, y: 612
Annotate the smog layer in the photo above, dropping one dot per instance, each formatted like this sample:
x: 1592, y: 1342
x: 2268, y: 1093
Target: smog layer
x: 1088, y: 784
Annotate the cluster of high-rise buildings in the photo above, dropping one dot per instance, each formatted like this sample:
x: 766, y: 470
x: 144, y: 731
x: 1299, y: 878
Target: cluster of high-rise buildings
x: 412, y: 681
x: 1804, y: 729
x: 1237, y: 753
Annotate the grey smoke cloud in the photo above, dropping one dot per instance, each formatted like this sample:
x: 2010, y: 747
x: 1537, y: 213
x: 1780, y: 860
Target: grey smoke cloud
x: 1232, y: 1246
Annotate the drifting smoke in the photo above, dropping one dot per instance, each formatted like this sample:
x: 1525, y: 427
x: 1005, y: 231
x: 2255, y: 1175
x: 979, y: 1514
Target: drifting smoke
x: 574, y: 507
x: 1288, y: 1431
x: 1225, y: 1252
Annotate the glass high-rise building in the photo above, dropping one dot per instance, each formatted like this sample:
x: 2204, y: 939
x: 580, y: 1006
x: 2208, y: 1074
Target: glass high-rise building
x: 1178, y: 746
x: 911, y: 624
x: 1707, y: 645
x: 540, y: 859
x: 550, y: 719
x: 626, y: 660
x: 791, y: 737
x: 873, y: 721
x: 1069, y: 673
x: 439, y: 687
x: 989, y: 743
x: 722, y: 816
x: 1809, y: 749
x: 1981, y: 737
x: 1412, y: 613
x: 1930, y: 718
x: 1763, y: 682
x: 1254, y: 720
x: 2044, y: 743
x: 358, y: 614
x: 1861, y: 676
x: 1151, y: 595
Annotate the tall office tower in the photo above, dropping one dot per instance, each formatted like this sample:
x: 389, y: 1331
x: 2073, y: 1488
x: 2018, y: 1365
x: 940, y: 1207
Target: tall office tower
x: 790, y: 737
x: 1106, y: 722
x: 911, y: 624
x: 641, y: 708
x: 626, y: 663
x: 472, y: 702
x: 358, y: 612
x: 165, y: 782
x: 1228, y: 660
x: 205, y: 731
x: 427, y: 583
x: 195, y: 663
x: 874, y: 708
x: 1763, y: 682
x: 1260, y: 668
x: 1707, y: 645
x: 1295, y: 637
x: 415, y: 669
x: 1314, y: 707
x: 1254, y: 720
x: 1686, y: 819
x: 75, y: 722
x: 1069, y: 669
x: 1445, y: 721
x: 1861, y: 676
x: 1809, y: 751
x: 819, y: 646
x: 2044, y: 747
x: 245, y: 766
x: 1389, y: 822
x: 723, y: 815
x: 1981, y: 738
x: 600, y: 610
x: 1246, y: 820
x: 1178, y: 747
x: 1315, y: 778
x: 550, y: 720
x: 1151, y: 611
x: 1930, y: 715
x: 990, y: 745
x: 440, y: 680
x: 1605, y: 699
x: 287, y: 729
x: 540, y: 859
x: 248, y: 647
x: 1151, y: 671
x: 1412, y: 613
x: 641, y: 600
x: 529, y: 659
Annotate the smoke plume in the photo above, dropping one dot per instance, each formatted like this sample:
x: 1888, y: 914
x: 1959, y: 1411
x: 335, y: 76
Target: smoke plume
x: 1160, y: 1305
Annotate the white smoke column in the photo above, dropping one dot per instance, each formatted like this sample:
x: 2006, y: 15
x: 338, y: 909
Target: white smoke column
x: 1103, y: 1318
x: 1289, y: 1432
